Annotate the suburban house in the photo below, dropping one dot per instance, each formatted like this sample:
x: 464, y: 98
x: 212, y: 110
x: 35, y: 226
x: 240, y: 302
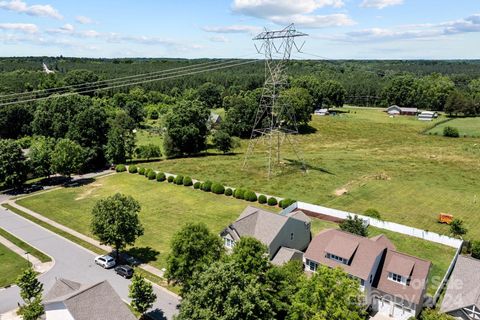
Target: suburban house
x: 69, y: 300
x: 427, y: 115
x: 214, y: 120
x: 394, y: 283
x: 462, y: 298
x: 286, y: 236
x: 321, y: 112
x: 396, y: 110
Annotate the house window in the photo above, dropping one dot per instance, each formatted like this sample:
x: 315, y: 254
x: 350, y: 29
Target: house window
x: 229, y: 243
x: 362, y: 282
x: 395, y: 277
x: 337, y: 258
x: 312, y: 266
x: 371, y: 278
x: 291, y: 236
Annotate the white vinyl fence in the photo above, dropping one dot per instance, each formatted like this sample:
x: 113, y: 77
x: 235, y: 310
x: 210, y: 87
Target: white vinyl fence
x: 391, y: 226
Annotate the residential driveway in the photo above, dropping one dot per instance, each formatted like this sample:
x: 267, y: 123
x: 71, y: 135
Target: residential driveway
x: 71, y: 262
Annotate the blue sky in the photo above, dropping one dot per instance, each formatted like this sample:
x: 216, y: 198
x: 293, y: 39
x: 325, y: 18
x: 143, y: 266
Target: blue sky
x: 346, y: 29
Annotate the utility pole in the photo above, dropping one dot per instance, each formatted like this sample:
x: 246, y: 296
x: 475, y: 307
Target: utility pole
x: 270, y: 128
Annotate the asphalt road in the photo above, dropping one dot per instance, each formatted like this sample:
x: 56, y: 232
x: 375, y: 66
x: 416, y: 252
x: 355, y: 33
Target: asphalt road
x: 71, y: 262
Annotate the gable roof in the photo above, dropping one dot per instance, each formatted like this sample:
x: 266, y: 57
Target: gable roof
x: 463, y: 289
x: 383, y: 240
x: 285, y: 255
x: 414, y: 268
x: 86, y: 302
x: 362, y: 261
x: 258, y: 223
x: 299, y: 215
x: 402, y: 108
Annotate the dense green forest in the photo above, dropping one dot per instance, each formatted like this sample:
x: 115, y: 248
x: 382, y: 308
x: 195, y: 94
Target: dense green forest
x: 93, y: 119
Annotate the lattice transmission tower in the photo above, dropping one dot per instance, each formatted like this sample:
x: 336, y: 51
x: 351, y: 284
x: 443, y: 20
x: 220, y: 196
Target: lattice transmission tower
x: 270, y: 128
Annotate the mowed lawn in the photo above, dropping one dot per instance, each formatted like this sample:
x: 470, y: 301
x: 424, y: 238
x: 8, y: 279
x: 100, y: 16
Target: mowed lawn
x: 11, y: 266
x: 466, y: 127
x: 165, y: 208
x: 441, y: 256
x: 359, y: 160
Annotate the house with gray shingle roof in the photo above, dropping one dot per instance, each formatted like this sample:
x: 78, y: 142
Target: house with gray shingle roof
x: 462, y: 297
x: 69, y: 300
x: 285, y: 236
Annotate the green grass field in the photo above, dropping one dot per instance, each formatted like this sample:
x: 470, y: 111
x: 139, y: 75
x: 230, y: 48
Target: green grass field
x: 165, y: 208
x: 25, y: 246
x: 11, y: 266
x: 359, y: 160
x: 466, y: 126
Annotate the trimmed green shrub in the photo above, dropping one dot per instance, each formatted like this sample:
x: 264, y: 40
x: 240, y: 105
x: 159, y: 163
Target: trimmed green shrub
x: 476, y: 249
x: 132, y: 169
x: 178, y: 179
x: 206, y: 186
x: 228, y: 192
x: 262, y: 199
x: 120, y: 168
x: 373, y: 213
x: 239, y: 193
x: 218, y: 188
x: 170, y: 179
x: 141, y: 171
x: 151, y: 175
x: 286, y: 203
x: 187, y: 182
x: 161, y: 177
x: 451, y: 132
x: 250, y: 196
x: 197, y: 185
x: 272, y: 201
x: 147, y: 172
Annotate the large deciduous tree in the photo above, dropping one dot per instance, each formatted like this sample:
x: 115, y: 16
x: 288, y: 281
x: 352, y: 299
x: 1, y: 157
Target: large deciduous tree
x: 13, y: 167
x: 40, y: 154
x: 210, y: 94
x: 192, y: 250
x: 120, y: 138
x: 402, y: 90
x: 333, y: 94
x: 67, y: 157
x: 354, y: 225
x: 186, y: 128
x: 115, y: 221
x: 313, y: 86
x: 241, y: 112
x: 330, y: 294
x: 300, y: 104
x: 15, y: 121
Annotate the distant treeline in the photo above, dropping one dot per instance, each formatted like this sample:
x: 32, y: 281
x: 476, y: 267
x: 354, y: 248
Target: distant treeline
x: 365, y: 82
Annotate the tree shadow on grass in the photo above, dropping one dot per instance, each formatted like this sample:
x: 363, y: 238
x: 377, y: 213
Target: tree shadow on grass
x: 78, y: 182
x: 306, y: 129
x: 296, y: 163
x: 142, y: 255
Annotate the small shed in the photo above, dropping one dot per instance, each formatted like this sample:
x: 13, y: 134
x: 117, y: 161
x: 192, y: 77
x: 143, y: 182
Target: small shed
x: 427, y: 115
x: 214, y: 120
x: 321, y: 112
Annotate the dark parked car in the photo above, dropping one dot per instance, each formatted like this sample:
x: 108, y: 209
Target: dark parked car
x: 124, y: 271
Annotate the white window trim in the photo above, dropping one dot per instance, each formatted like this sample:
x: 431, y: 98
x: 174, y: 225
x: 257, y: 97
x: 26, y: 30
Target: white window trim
x: 312, y: 265
x: 397, y: 278
x: 229, y: 243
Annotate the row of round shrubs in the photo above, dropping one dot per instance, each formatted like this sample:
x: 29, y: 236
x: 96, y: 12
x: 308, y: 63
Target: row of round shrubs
x: 207, y: 186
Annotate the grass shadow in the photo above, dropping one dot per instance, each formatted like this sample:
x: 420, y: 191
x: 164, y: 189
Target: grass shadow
x: 296, y: 163
x: 78, y: 182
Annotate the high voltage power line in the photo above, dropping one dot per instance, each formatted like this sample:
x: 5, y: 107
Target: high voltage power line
x: 122, y: 82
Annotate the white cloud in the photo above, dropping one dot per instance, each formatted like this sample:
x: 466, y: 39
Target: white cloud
x: 233, y: 29
x: 413, y: 32
x: 22, y: 27
x: 300, y: 12
x: 33, y: 10
x: 219, y: 38
x: 380, y: 4
x: 84, y: 20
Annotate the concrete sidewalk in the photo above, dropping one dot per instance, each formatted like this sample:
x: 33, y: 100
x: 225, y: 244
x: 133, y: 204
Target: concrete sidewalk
x: 79, y: 235
x: 37, y: 265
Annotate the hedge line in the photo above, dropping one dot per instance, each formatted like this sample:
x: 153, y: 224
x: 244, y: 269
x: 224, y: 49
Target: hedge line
x: 207, y: 186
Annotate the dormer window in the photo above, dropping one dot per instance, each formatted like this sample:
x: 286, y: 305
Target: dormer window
x: 336, y: 258
x: 397, y: 278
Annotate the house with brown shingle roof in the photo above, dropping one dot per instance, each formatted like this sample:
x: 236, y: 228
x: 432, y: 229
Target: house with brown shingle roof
x: 394, y: 283
x: 285, y: 236
x: 462, y: 297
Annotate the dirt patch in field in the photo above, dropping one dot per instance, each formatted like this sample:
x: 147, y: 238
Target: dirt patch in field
x: 88, y: 191
x: 360, y: 182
